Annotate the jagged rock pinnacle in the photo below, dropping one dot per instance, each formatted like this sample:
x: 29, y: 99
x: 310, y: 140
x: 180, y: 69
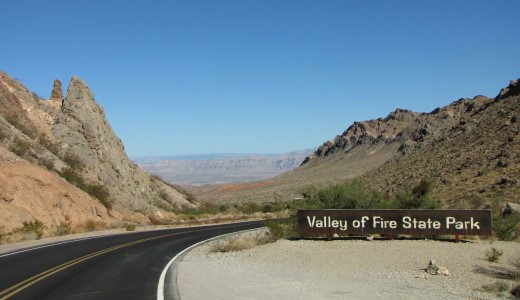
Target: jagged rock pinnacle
x: 57, y: 92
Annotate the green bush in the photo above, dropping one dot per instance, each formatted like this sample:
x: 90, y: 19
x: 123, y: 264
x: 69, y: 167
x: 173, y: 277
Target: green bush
x: 347, y: 195
x: 73, y: 176
x: 130, y: 227
x: 506, y: 228
x: 100, y: 192
x: 73, y: 160
x: 419, y: 197
x: 96, y: 190
x: 282, y: 229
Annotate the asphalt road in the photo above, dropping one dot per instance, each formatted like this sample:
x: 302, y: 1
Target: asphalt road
x: 124, y: 266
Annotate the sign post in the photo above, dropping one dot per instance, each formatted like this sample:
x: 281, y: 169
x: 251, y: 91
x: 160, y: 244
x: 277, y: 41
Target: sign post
x: 344, y: 222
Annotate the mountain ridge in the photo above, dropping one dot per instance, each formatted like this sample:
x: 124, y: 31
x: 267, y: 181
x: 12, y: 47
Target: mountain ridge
x: 372, y: 149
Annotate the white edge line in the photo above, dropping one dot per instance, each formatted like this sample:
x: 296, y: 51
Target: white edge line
x: 83, y: 239
x: 49, y: 245
x: 160, y: 286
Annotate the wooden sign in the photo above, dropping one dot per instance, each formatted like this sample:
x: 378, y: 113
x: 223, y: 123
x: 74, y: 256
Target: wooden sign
x: 345, y: 222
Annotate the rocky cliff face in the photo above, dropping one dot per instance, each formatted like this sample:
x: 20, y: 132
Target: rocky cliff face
x: 402, y: 127
x: 72, y: 140
x: 83, y: 128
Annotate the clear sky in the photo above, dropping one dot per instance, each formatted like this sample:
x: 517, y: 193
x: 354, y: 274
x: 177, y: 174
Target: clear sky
x: 187, y: 77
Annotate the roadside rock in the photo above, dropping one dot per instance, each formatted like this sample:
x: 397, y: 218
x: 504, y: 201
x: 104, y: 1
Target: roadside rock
x: 434, y: 269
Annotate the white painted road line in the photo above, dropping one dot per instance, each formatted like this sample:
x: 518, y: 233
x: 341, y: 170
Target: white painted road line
x: 160, y: 286
x: 48, y: 245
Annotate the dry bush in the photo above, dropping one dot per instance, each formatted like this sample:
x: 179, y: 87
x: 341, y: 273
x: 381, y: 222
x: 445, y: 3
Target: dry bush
x: 240, y: 242
x: 493, y: 255
x: 87, y: 226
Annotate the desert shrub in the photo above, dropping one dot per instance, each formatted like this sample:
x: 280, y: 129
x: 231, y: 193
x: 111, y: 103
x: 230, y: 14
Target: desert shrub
x: 515, y: 292
x: 242, y: 241
x: 230, y: 244
x: 223, y: 208
x: 100, y: 192
x: 130, y: 227
x: 91, y: 225
x: 496, y: 287
x: 19, y: 147
x: 65, y: 227
x: 47, y: 163
x: 73, y: 160
x: 3, y: 135
x: 493, y: 254
x: 282, y: 229
x: 506, y: 228
x: 20, y: 126
x: 36, y: 96
x: 162, y: 204
x: 347, y: 195
x: 96, y: 190
x: 249, y: 208
x: 275, y: 206
x: 54, y: 148
x: 72, y: 176
x: 33, y: 227
x: 419, y: 197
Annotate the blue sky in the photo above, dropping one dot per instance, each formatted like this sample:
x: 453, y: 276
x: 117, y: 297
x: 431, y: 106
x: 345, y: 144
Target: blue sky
x: 187, y: 77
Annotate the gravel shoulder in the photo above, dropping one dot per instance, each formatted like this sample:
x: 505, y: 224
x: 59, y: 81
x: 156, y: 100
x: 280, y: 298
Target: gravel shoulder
x: 351, y: 269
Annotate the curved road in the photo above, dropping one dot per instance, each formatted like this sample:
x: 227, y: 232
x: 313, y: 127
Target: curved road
x: 123, y: 266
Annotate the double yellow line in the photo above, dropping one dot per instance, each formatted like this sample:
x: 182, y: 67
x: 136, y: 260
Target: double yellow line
x: 29, y: 282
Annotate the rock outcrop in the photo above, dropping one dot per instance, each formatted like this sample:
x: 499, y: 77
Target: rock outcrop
x: 57, y: 92
x: 69, y: 143
x: 513, y: 89
x: 83, y: 128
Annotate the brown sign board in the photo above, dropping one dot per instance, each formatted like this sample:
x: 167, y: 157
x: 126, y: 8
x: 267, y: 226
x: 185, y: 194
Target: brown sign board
x: 345, y: 222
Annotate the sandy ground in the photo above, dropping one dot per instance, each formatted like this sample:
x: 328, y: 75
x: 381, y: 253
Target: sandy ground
x: 345, y: 269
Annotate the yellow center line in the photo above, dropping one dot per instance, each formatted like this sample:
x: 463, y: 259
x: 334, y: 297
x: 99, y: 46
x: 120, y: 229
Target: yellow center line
x: 5, y: 294
x: 29, y: 282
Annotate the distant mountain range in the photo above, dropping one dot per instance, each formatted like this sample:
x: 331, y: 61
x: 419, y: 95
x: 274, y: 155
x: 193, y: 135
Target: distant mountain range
x: 217, y: 168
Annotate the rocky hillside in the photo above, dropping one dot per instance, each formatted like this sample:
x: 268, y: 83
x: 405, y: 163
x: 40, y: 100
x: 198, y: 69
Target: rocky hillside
x: 470, y: 148
x: 65, y: 149
x: 221, y: 168
x: 473, y: 160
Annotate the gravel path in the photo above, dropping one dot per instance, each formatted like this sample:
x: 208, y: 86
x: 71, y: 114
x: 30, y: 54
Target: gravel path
x: 349, y: 269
